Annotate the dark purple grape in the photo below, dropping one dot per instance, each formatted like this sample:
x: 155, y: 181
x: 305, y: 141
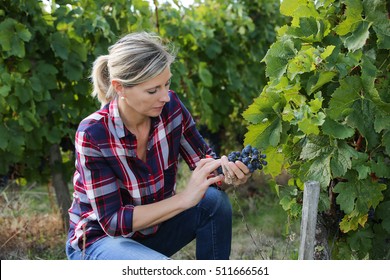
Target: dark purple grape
x: 250, y: 156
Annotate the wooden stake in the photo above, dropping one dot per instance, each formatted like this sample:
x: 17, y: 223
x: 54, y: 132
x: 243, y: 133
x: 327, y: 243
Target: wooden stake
x: 311, y: 195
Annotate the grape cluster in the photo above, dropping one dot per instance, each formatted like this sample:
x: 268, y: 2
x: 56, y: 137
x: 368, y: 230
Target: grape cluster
x: 250, y: 156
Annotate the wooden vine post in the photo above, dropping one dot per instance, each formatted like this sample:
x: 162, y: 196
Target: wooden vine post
x: 311, y: 194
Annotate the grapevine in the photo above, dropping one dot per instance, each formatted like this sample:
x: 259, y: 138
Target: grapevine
x: 323, y: 116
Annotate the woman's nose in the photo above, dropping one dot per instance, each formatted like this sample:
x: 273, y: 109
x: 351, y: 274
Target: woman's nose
x: 165, y: 96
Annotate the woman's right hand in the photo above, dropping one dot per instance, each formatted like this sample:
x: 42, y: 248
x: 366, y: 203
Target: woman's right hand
x: 202, y: 177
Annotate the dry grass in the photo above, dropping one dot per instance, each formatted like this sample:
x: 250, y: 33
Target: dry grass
x: 27, y: 233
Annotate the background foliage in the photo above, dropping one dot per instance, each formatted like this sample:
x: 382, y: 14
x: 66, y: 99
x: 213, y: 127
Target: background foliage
x: 324, y: 116
x: 47, y: 51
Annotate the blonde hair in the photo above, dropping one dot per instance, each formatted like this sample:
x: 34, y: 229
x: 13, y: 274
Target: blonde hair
x: 134, y: 59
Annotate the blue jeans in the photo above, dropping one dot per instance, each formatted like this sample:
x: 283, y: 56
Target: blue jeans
x: 210, y: 222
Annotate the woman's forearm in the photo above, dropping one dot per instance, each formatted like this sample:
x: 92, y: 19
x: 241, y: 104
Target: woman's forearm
x: 145, y: 216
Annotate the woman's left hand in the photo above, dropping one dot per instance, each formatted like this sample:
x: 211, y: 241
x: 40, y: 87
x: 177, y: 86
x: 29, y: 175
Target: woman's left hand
x: 236, y: 173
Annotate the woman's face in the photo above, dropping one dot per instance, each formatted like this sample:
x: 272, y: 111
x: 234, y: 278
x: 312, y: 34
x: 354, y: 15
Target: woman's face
x: 149, y: 98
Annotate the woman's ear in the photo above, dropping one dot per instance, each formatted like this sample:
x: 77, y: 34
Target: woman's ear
x: 117, y: 87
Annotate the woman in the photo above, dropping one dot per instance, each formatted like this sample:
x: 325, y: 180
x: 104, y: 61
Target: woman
x: 127, y: 153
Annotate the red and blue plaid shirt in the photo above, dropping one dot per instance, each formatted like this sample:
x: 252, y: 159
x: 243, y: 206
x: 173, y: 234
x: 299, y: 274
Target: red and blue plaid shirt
x: 110, y: 180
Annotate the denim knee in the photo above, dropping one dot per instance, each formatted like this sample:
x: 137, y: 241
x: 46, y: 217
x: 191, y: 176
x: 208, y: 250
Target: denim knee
x: 216, y: 201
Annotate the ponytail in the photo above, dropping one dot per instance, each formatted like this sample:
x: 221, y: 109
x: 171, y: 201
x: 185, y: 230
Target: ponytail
x: 101, y: 80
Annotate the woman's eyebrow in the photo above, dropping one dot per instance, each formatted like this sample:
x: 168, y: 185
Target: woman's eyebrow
x: 170, y: 77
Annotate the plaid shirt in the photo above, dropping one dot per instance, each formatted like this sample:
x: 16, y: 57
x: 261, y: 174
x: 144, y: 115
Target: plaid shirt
x: 110, y: 180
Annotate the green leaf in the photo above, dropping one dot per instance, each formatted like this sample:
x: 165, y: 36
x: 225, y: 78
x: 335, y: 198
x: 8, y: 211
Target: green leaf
x: 79, y: 50
x: 369, y: 78
x: 327, y: 52
x: 319, y: 79
x: 266, y: 133
x: 361, y: 240
x: 377, y: 12
x: 288, y: 8
x: 317, y: 170
x: 344, y: 97
x: 353, y: 16
x: 316, y: 147
x: 277, y: 57
x: 361, y: 165
x: 310, y: 28
x: 383, y: 213
x: 341, y: 160
x: 4, y: 137
x: 303, y: 62
x: 276, y: 165
x: 46, y: 74
x: 12, y: 37
x: 309, y: 125
x: 205, y: 75
x: 358, y: 37
x: 347, y: 196
x: 73, y: 69
x: 53, y: 135
x: 381, y: 123
x: 381, y: 167
x: 336, y: 129
x: 5, y: 90
x: 263, y: 106
x: 60, y: 45
x: 358, y: 195
x: 386, y: 141
x: 24, y: 93
x: 326, y: 159
x: 6, y: 33
x: 362, y: 118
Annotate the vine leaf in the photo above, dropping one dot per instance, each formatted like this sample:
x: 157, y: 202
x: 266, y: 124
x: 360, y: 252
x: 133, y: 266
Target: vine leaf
x: 353, y: 16
x: 362, y: 117
x: 355, y: 198
x: 325, y: 159
x: 336, y: 129
x: 386, y: 141
x: 289, y: 7
x: 361, y: 239
x: 362, y: 166
x: 276, y: 165
x: 344, y: 97
x: 60, y: 45
x: 383, y: 212
x: 205, y: 75
x: 277, y: 58
x: 318, y: 80
x: 376, y: 12
x: 263, y: 106
x: 381, y: 167
x: 265, y: 118
x: 358, y: 37
x: 266, y: 133
x: 12, y: 37
x: 318, y: 170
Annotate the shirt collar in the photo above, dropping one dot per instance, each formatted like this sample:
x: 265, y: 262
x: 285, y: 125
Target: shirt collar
x: 117, y: 120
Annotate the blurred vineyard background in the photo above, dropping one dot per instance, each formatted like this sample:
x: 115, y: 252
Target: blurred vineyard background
x: 47, y: 48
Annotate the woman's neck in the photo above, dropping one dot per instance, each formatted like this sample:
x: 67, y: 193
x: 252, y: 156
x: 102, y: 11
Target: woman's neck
x: 133, y: 121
